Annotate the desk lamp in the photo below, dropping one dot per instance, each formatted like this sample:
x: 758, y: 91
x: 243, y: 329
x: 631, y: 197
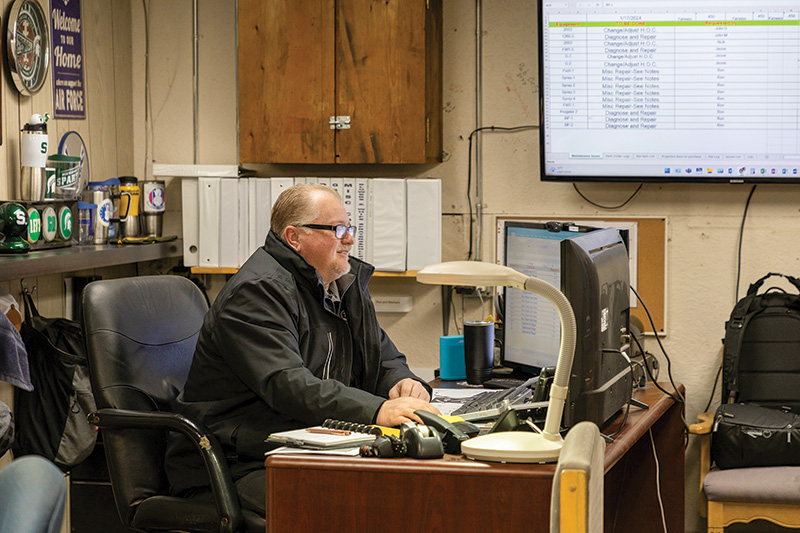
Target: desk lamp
x: 516, y: 446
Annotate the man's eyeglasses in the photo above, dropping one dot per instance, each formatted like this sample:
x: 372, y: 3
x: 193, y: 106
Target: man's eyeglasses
x: 339, y: 230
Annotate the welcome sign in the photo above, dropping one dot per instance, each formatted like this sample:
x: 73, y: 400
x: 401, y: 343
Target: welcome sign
x: 69, y: 93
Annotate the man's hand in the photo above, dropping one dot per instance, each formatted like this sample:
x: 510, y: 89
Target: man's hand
x: 411, y: 388
x: 399, y: 410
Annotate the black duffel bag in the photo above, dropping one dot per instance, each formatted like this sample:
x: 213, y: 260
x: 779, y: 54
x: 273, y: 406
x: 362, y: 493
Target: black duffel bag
x: 748, y: 435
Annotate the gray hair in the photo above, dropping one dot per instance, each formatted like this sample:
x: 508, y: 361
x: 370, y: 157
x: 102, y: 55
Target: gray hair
x: 297, y: 206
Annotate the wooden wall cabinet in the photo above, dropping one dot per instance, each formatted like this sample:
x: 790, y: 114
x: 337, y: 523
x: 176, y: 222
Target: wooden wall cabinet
x: 302, y: 62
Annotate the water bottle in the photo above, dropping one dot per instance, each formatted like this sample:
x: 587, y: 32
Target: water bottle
x: 33, y: 147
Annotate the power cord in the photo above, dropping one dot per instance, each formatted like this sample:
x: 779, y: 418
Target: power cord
x: 713, y: 389
x: 610, y: 207
x: 469, y: 168
x: 680, y: 399
x: 148, y: 100
x: 453, y: 306
x: 741, y: 235
x: 630, y: 397
x: 652, y: 378
x: 658, y: 481
x: 736, y: 289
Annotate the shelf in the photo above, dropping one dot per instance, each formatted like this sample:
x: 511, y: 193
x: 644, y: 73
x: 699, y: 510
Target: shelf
x: 72, y: 258
x: 215, y: 270
x: 233, y: 270
x: 404, y: 274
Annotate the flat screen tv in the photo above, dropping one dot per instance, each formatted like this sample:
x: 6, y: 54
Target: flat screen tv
x: 669, y: 91
x: 590, y: 266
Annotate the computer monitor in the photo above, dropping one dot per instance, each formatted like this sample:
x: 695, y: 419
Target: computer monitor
x: 669, y: 91
x: 590, y: 266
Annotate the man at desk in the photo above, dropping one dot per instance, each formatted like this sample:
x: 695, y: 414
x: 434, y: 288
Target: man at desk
x: 291, y: 340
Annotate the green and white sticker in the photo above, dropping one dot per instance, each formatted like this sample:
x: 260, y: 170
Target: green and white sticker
x: 65, y: 223
x: 49, y: 223
x: 34, y: 225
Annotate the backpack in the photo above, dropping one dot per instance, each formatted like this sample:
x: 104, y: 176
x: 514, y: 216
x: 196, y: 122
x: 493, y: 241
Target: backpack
x: 51, y: 420
x: 761, y: 356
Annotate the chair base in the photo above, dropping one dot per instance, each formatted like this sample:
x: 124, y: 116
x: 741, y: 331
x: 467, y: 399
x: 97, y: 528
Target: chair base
x: 723, y: 514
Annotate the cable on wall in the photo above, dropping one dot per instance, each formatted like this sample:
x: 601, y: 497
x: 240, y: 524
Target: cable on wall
x: 610, y: 207
x: 196, y: 80
x: 741, y: 234
x: 148, y: 102
x: 736, y: 289
x: 478, y: 125
x: 469, y: 174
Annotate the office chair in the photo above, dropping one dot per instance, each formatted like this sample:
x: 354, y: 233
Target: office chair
x: 741, y: 495
x: 576, y: 502
x: 140, y: 336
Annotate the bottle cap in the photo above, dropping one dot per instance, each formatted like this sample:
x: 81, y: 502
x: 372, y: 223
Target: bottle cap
x: 36, y: 123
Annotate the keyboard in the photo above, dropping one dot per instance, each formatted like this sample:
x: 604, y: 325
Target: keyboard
x: 502, y: 383
x: 490, y: 404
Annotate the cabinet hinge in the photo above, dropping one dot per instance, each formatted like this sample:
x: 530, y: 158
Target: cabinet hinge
x: 342, y: 122
x: 427, y: 130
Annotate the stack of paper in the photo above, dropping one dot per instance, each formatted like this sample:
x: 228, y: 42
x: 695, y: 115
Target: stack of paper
x: 319, y: 437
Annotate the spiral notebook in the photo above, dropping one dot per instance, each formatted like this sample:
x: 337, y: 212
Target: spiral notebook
x: 320, y: 438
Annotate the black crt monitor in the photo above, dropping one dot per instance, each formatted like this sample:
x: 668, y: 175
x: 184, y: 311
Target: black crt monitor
x: 590, y: 266
x: 669, y: 91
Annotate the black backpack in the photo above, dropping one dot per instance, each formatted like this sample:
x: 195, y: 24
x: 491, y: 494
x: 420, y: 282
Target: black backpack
x: 761, y: 357
x: 51, y: 420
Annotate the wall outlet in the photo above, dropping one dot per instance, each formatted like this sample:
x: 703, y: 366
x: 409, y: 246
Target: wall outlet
x: 392, y: 304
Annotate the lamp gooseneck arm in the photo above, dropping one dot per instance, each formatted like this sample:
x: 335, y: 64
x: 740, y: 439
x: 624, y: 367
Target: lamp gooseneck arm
x: 566, y: 354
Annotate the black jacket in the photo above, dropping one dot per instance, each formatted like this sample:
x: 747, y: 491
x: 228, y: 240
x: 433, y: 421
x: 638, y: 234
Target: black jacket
x: 275, y: 354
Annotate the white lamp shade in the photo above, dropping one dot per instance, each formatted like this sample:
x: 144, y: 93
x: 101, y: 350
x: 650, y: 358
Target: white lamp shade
x: 471, y: 274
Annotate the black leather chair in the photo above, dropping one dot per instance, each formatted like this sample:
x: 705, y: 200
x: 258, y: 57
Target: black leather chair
x: 140, y: 336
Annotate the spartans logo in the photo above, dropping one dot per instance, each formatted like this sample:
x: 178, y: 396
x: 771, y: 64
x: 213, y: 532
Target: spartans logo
x: 29, y: 44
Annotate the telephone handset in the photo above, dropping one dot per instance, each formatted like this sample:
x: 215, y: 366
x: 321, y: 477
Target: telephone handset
x: 452, y: 436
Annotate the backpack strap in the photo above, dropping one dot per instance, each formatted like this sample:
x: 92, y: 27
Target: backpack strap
x: 30, y: 307
x: 732, y: 344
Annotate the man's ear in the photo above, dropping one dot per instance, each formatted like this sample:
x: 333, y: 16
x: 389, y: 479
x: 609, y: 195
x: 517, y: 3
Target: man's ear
x: 291, y: 235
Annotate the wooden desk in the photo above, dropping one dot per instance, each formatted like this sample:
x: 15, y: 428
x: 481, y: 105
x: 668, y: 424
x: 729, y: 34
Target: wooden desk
x: 325, y: 493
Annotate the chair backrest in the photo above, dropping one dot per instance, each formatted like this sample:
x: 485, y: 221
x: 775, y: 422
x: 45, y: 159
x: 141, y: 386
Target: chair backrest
x: 576, y: 503
x: 140, y: 337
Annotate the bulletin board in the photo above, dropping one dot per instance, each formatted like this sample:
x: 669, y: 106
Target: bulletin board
x: 650, y: 262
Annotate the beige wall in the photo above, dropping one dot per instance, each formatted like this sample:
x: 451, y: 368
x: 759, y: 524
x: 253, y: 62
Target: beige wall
x: 703, y: 220
x: 107, y: 132
x: 107, y: 129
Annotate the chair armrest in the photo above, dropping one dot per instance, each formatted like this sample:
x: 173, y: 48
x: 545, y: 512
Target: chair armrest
x: 222, y: 486
x: 705, y: 421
